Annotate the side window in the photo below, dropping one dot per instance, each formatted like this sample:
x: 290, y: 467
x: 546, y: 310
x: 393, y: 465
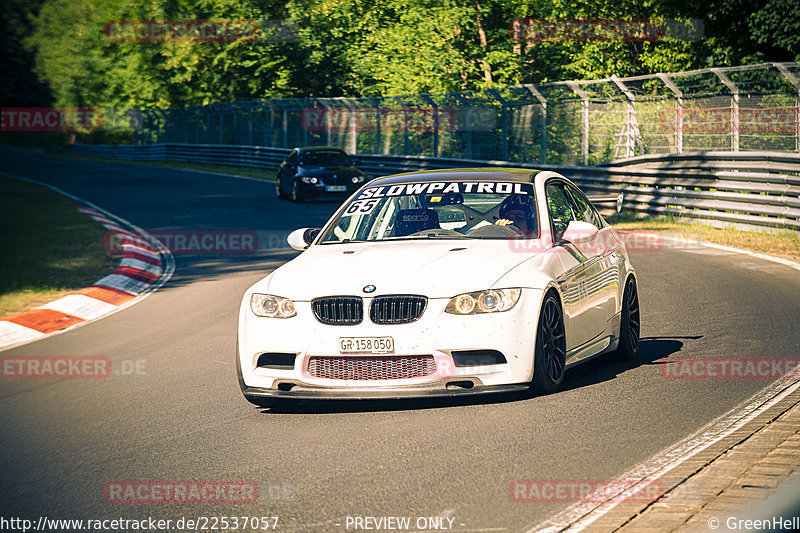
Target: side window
x: 559, y: 205
x: 583, y: 208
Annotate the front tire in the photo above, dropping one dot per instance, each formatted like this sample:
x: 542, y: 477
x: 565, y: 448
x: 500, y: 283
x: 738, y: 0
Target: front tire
x: 629, y: 328
x: 297, y: 196
x: 278, y: 191
x: 550, y: 356
x: 260, y: 401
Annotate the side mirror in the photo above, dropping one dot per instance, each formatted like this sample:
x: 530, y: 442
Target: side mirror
x: 578, y: 231
x: 299, y: 239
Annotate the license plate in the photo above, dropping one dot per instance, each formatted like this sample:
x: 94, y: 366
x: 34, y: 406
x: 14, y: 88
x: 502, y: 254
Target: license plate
x: 366, y: 345
x: 336, y: 188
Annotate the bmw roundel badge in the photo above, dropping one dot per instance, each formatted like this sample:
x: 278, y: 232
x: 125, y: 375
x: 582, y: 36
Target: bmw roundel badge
x: 369, y: 288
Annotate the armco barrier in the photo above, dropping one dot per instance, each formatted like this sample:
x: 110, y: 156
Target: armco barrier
x: 755, y: 189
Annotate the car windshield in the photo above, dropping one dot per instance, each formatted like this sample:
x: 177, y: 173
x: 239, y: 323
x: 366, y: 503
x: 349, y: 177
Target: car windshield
x: 447, y: 210
x: 325, y: 158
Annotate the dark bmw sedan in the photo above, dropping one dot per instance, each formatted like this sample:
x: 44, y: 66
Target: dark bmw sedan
x: 317, y: 172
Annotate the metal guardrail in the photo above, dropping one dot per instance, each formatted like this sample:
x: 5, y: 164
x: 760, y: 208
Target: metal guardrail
x: 754, y: 189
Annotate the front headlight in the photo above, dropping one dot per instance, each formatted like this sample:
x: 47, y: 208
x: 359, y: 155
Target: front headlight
x: 489, y: 301
x: 308, y: 179
x: 358, y: 179
x: 270, y: 306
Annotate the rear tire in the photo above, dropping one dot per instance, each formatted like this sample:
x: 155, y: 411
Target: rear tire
x: 629, y: 328
x: 550, y: 356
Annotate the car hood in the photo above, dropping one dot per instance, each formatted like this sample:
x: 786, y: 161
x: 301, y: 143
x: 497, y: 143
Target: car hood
x: 436, y: 269
x: 329, y: 171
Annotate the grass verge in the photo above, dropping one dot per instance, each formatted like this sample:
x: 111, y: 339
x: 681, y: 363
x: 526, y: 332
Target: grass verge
x: 781, y: 244
x: 50, y: 249
x: 247, y: 172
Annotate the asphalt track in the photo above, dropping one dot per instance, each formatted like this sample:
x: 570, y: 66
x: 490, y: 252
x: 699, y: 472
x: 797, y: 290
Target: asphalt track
x: 185, y: 419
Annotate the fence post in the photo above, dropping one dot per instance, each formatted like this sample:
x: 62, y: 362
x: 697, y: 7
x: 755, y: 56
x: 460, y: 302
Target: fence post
x: 796, y: 84
x: 543, y: 136
x: 734, y: 107
x: 464, y: 102
x: 630, y: 116
x: 376, y: 104
x: 430, y: 102
x: 504, y: 120
x: 249, y: 123
x: 584, y: 119
x: 265, y: 108
x: 678, y: 111
x: 405, y: 124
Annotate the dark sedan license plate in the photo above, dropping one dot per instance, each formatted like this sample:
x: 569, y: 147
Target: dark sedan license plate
x: 366, y: 345
x: 336, y: 188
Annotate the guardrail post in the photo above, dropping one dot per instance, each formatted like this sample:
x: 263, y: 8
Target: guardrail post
x: 734, y: 107
x: 796, y: 84
x: 584, y: 119
x: 543, y: 102
x: 678, y: 111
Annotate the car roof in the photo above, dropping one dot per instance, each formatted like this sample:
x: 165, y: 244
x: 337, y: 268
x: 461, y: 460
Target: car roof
x: 518, y: 175
x: 319, y: 149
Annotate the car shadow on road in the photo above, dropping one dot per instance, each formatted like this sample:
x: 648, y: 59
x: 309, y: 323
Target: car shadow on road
x: 607, y: 367
x: 604, y: 368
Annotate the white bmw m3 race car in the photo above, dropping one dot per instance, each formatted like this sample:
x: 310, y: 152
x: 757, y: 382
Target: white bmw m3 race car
x: 441, y: 283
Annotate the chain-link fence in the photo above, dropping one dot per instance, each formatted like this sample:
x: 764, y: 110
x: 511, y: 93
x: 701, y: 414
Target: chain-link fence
x: 747, y: 108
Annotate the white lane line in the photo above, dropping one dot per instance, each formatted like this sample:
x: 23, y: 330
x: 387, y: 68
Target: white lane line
x: 579, y: 516
x: 774, y: 259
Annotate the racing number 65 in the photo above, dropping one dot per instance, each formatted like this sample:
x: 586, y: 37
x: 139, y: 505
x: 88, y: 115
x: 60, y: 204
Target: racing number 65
x: 361, y: 207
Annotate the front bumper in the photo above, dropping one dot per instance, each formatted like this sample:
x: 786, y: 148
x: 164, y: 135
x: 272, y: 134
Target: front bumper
x: 319, y: 190
x: 436, y: 333
x: 429, y: 390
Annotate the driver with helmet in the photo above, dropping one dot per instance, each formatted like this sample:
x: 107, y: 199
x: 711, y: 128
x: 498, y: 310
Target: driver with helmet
x: 518, y: 210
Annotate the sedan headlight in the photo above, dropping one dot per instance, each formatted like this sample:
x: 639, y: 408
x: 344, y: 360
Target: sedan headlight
x: 308, y: 179
x: 358, y: 179
x: 489, y: 301
x: 270, y: 306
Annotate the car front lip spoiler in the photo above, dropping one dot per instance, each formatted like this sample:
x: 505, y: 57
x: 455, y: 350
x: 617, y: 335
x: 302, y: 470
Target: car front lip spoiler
x: 302, y: 391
